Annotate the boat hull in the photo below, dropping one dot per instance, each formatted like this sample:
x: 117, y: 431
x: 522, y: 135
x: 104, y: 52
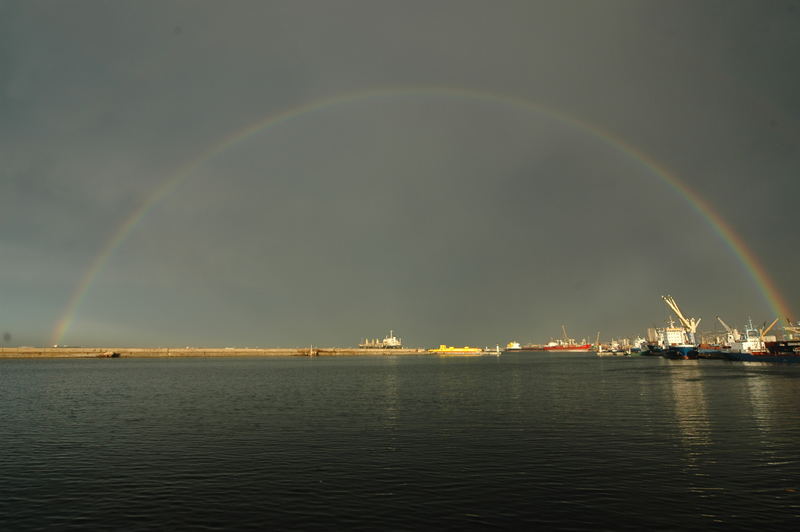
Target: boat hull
x: 782, y: 351
x: 681, y: 352
x: 784, y: 347
x: 712, y: 353
x: 568, y: 348
x: 786, y: 358
x: 653, y: 350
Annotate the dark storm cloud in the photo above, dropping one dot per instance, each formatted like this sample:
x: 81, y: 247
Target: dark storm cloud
x: 448, y: 219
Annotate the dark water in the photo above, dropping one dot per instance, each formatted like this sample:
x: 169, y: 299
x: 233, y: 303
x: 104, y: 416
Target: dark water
x: 563, y: 441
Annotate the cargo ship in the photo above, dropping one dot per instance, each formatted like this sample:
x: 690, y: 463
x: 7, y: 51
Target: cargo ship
x: 531, y: 347
x: 780, y: 351
x: 566, y: 345
x: 562, y: 347
x: 390, y: 342
x: 668, y: 342
x: 682, y: 352
x: 674, y: 343
x: 679, y: 342
x: 754, y: 347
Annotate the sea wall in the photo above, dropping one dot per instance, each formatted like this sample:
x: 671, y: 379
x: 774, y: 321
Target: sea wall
x: 155, y: 352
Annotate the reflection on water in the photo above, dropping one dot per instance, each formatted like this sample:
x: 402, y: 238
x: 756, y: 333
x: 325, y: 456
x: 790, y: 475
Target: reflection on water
x: 759, y: 390
x: 549, y: 440
x: 691, y: 411
x: 767, y: 386
x: 390, y: 393
x: 690, y: 404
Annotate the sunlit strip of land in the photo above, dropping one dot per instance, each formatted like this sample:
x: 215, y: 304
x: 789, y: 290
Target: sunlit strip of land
x: 155, y: 352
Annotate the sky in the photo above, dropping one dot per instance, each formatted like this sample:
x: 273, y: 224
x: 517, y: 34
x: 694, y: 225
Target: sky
x: 460, y: 172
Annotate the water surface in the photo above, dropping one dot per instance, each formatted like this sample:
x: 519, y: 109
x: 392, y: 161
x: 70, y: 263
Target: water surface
x: 568, y: 441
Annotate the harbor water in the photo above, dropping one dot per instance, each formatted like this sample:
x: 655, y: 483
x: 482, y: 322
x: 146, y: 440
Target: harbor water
x: 566, y: 441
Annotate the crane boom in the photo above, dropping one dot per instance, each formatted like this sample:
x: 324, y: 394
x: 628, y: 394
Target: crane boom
x: 765, y: 331
x: 791, y: 328
x: 733, y: 334
x: 674, y: 306
x: 690, y: 323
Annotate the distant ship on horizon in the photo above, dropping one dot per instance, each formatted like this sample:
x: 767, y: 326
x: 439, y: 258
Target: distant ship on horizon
x: 466, y: 350
x: 567, y: 347
x: 390, y: 342
x: 564, y: 345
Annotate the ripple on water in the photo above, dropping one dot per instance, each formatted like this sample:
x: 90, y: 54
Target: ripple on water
x: 407, y: 442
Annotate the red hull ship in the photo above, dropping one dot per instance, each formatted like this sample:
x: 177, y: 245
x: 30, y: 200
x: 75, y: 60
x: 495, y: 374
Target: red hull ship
x: 567, y: 345
x: 568, y: 348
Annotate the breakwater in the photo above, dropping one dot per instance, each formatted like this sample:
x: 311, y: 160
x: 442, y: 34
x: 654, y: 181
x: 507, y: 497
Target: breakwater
x: 163, y: 352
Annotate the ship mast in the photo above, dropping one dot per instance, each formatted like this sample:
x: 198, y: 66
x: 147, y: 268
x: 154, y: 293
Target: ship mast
x: 689, y: 323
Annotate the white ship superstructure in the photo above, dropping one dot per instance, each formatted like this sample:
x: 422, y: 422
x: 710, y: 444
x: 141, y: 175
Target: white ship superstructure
x: 753, y: 340
x: 389, y: 342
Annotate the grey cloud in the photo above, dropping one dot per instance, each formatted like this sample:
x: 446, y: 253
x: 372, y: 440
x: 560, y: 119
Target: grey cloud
x: 448, y: 219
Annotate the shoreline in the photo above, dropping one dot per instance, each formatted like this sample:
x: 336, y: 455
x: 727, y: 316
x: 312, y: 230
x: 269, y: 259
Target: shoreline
x: 172, y: 352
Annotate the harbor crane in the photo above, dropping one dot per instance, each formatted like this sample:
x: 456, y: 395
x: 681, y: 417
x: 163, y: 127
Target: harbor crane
x: 564, y: 330
x: 690, y: 324
x: 763, y: 332
x: 792, y: 329
x: 733, y: 334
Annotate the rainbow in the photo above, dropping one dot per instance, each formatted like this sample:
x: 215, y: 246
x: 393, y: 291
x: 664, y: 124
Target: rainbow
x: 733, y: 241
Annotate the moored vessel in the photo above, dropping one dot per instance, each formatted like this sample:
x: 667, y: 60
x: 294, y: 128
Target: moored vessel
x: 785, y: 351
x: 566, y: 344
x: 753, y: 346
x: 532, y: 347
x: 681, y: 352
x: 389, y: 342
x: 559, y: 347
x: 679, y: 342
